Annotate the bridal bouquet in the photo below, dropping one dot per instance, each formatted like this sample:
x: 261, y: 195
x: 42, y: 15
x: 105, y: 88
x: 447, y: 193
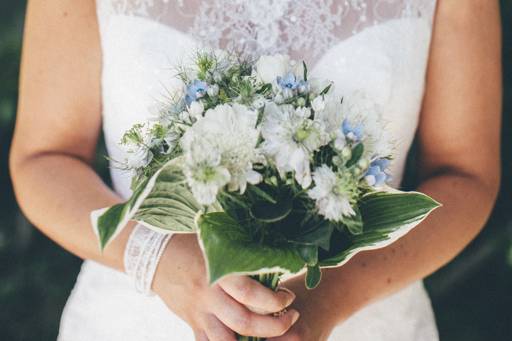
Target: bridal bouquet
x: 274, y: 173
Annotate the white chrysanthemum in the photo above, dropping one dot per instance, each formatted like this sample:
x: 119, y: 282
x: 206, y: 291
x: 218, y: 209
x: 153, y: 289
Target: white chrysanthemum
x: 204, y: 172
x: 332, y: 194
x: 230, y: 132
x: 291, y: 137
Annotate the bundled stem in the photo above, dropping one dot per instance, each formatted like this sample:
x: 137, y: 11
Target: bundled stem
x: 270, y: 280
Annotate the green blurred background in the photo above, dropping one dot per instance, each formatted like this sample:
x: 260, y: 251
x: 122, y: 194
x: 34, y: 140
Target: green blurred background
x: 472, y: 296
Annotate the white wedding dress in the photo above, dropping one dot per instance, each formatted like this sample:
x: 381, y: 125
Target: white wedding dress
x: 379, y: 47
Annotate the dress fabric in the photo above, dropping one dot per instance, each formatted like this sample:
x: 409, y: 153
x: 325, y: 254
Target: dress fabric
x: 378, y: 48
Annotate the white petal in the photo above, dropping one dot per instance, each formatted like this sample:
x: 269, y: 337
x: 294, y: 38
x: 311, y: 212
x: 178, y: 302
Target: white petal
x: 318, y: 104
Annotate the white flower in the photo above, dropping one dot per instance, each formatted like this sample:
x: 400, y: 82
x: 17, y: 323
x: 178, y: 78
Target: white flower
x: 317, y: 85
x: 172, y: 138
x: 213, y: 90
x: 204, y: 172
x: 229, y: 132
x: 259, y: 102
x: 290, y: 139
x: 332, y: 193
x: 318, y: 104
x: 268, y: 68
x: 138, y: 157
x: 196, y: 108
x: 360, y: 109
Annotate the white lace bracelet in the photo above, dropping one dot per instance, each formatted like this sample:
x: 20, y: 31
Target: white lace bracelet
x: 142, y: 254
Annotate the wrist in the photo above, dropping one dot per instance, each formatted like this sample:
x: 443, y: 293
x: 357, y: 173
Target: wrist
x: 181, y: 265
x: 160, y: 280
x: 142, y: 256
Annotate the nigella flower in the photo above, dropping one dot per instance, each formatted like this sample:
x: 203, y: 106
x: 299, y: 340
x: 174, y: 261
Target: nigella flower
x: 376, y: 175
x: 289, y: 81
x: 138, y: 157
x: 352, y: 132
x: 333, y: 193
x: 195, y: 90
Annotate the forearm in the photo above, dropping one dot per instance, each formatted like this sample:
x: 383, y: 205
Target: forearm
x: 57, y: 192
x: 371, y: 275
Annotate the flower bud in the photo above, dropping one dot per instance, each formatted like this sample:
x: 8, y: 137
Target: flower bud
x: 363, y: 163
x: 213, y: 90
x: 346, y: 152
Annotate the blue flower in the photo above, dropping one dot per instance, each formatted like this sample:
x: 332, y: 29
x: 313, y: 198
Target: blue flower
x: 353, y: 133
x: 376, y: 174
x: 289, y: 81
x: 195, y: 90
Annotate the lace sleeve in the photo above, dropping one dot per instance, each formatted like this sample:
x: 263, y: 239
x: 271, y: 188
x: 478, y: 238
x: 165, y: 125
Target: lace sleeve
x: 142, y: 254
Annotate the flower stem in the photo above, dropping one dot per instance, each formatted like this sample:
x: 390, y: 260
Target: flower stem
x: 270, y: 280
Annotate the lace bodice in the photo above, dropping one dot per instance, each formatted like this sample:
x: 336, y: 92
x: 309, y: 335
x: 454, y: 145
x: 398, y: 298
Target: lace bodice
x: 304, y: 29
x: 376, y: 47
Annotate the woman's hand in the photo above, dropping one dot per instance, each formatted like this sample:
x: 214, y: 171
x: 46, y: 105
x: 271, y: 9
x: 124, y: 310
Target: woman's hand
x: 317, y: 316
x: 216, y: 312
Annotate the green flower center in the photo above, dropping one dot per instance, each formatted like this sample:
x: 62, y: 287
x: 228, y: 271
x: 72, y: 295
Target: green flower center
x: 205, y: 174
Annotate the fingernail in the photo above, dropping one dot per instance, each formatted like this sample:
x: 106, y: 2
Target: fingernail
x: 287, y: 291
x: 295, y: 316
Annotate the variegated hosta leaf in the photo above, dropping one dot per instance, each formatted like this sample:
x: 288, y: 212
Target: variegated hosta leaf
x: 229, y: 249
x: 387, y: 216
x: 162, y: 203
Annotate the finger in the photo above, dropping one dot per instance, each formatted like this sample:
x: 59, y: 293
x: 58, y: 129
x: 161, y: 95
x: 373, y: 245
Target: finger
x: 241, y: 320
x: 255, y: 295
x: 200, y: 336
x: 217, y: 331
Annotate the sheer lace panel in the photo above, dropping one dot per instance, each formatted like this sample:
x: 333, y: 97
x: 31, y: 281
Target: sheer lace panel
x: 302, y: 28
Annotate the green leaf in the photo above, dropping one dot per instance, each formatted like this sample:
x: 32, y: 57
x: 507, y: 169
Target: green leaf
x: 109, y: 222
x: 305, y: 67
x: 162, y: 202
x: 264, y: 89
x: 313, y: 276
x: 389, y: 211
x: 326, y: 90
x: 357, y: 152
x: 319, y: 236
x: 309, y: 253
x: 228, y: 249
x: 259, y: 192
x: 354, y: 223
x: 387, y: 216
x: 271, y: 213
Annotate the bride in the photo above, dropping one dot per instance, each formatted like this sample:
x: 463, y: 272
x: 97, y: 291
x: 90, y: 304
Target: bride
x: 432, y: 68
